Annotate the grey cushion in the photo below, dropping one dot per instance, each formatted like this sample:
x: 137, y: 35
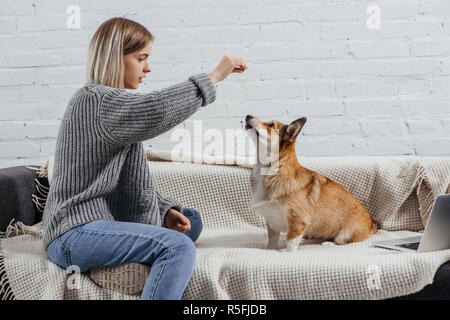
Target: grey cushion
x: 17, y: 185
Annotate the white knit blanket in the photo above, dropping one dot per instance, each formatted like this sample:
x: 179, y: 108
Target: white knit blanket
x: 231, y: 262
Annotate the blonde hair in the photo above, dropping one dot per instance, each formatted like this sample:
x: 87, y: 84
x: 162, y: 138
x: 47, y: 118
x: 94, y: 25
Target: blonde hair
x: 114, y: 39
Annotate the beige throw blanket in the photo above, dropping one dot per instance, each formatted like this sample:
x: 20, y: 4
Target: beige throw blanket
x: 231, y: 261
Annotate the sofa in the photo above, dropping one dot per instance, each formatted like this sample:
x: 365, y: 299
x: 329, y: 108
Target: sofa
x: 18, y: 201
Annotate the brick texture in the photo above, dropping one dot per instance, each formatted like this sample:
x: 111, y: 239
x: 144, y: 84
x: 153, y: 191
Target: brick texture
x: 365, y: 91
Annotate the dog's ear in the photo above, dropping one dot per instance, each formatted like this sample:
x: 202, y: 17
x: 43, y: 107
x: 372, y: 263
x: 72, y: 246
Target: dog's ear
x: 294, y: 128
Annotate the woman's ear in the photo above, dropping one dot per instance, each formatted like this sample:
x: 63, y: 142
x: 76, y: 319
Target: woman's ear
x: 294, y: 129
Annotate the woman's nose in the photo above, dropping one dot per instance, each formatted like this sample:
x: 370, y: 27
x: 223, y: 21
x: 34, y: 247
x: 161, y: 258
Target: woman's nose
x: 147, y: 68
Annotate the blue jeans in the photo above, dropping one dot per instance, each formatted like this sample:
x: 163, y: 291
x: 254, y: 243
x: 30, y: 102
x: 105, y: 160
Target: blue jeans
x: 169, y: 254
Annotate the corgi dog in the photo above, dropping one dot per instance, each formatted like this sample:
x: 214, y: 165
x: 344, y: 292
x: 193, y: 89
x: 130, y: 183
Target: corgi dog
x: 293, y: 199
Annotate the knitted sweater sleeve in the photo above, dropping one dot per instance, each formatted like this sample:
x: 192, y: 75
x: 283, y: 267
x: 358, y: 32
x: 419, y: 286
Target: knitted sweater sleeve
x: 165, y: 203
x: 127, y: 117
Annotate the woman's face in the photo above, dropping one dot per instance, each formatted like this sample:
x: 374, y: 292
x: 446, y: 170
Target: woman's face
x: 136, y: 66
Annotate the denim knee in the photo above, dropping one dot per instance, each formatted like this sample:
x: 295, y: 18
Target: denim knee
x: 186, y: 247
x: 184, y: 242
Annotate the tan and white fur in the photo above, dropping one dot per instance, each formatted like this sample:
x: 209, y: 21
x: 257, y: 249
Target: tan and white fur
x: 293, y: 199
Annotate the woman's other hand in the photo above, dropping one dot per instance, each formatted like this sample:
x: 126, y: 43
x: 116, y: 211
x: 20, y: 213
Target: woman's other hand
x: 175, y: 220
x: 227, y: 65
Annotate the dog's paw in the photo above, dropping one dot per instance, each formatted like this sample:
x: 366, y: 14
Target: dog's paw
x: 291, y: 247
x: 328, y: 243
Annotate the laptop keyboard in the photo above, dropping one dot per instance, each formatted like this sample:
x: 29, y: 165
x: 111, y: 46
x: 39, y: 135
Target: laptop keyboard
x: 413, y: 245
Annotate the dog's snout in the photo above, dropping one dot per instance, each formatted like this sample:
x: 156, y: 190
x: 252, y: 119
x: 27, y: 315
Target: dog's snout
x: 247, y: 123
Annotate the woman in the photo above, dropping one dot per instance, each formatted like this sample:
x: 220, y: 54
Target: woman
x: 102, y: 208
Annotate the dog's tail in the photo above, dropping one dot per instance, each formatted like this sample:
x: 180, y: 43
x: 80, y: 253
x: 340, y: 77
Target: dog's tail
x: 374, y: 226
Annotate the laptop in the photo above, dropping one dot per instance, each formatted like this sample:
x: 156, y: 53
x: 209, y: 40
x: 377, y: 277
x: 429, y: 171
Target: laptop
x: 436, y: 235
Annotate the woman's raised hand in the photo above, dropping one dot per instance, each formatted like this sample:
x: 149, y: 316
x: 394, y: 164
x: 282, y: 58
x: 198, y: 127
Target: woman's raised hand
x: 227, y: 65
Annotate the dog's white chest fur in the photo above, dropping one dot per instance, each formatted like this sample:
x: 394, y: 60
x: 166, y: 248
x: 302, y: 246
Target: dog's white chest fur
x: 272, y: 211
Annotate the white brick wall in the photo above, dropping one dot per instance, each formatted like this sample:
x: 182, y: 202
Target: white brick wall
x: 364, y: 91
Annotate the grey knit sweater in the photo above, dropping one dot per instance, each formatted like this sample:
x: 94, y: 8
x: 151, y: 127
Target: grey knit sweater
x: 100, y: 168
